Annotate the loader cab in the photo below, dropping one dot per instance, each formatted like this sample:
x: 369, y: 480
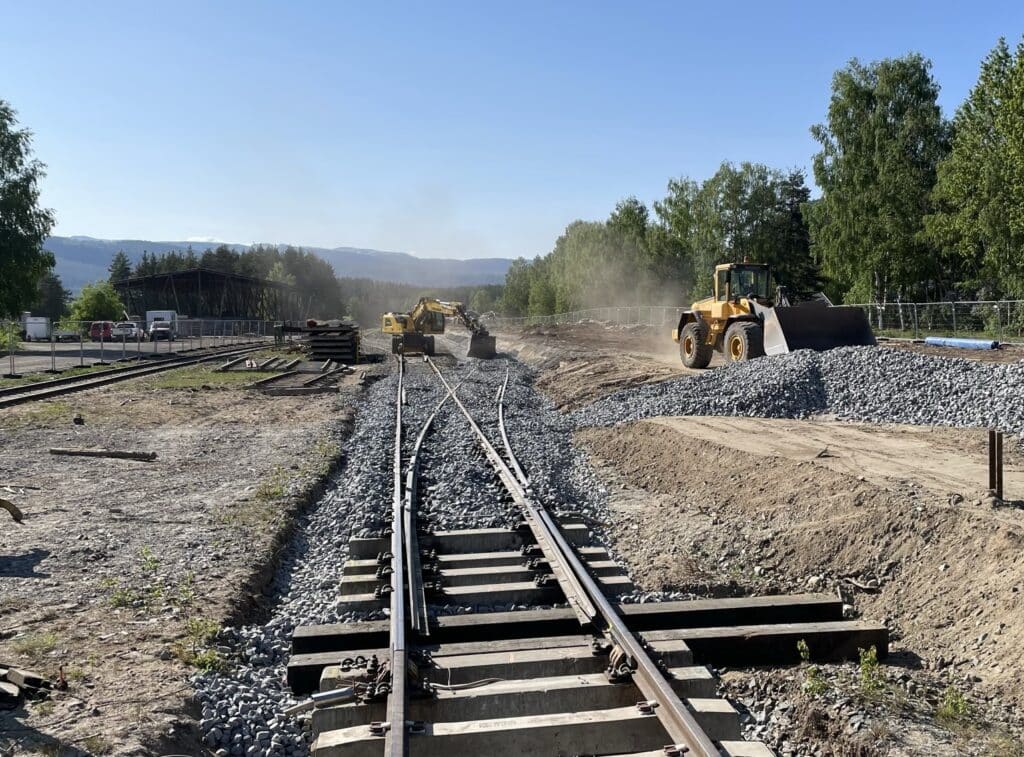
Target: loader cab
x: 735, y: 280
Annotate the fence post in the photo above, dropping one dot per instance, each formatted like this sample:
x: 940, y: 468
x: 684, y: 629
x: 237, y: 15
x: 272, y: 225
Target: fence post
x: 917, y: 330
x: 953, y: 305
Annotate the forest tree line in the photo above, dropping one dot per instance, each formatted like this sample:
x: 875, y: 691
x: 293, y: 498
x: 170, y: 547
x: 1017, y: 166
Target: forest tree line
x: 913, y: 207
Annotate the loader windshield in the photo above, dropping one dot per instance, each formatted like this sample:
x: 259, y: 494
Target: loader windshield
x: 750, y: 281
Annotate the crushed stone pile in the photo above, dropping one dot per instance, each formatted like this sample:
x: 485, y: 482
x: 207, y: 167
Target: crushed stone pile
x: 870, y: 384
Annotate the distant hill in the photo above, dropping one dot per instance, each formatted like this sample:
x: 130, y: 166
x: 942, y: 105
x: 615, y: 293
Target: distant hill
x: 81, y: 260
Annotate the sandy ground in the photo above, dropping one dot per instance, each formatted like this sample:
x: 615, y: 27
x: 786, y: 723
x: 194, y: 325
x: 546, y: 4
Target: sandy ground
x: 121, y: 568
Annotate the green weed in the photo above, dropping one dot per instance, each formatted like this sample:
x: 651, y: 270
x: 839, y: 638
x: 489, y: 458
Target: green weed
x: 814, y: 682
x: 953, y: 708
x: 871, y: 681
x: 35, y: 644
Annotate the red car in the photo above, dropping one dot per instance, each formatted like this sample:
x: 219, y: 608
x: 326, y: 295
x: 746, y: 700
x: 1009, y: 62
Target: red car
x: 101, y: 329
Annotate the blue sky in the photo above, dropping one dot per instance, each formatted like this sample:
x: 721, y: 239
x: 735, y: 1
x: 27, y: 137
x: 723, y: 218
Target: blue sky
x: 444, y: 129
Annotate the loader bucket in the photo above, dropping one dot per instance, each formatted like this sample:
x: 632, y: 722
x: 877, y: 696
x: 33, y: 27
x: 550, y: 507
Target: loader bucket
x: 812, y: 326
x: 481, y: 345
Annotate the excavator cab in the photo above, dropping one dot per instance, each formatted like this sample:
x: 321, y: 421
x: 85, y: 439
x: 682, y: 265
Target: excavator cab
x: 413, y: 332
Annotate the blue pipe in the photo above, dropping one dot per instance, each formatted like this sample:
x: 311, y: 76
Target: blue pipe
x: 963, y: 344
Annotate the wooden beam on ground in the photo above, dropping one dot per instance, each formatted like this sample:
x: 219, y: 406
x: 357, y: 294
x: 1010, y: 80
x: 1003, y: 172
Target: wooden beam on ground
x: 147, y: 457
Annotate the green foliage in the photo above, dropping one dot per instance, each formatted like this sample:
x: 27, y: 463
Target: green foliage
x: 24, y: 226
x: 51, y: 297
x: 750, y: 211
x: 871, y: 681
x: 953, y: 708
x: 979, y: 196
x: 309, y: 273
x: 35, y: 645
x: 97, y: 302
x: 120, y: 267
x: 814, y: 682
x: 191, y: 651
x: 884, y: 138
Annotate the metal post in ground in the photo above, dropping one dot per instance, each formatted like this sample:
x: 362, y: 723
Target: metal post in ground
x: 999, y: 465
x: 81, y: 348
x: 995, y: 462
x: 10, y: 352
x: 102, y: 360
x: 124, y: 348
x: 53, y: 353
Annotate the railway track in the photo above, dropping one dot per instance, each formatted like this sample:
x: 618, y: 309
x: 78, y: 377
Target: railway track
x: 580, y: 675
x: 16, y: 395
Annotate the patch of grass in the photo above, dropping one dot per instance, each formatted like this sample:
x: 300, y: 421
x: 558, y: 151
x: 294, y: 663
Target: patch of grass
x: 192, y: 649
x: 44, y: 708
x: 150, y: 563
x: 35, y: 378
x: 273, y: 486
x: 1004, y: 745
x: 42, y: 413
x: 97, y: 745
x: 814, y: 682
x: 872, y: 684
x: 200, y: 377
x: 35, y: 644
x: 954, y: 708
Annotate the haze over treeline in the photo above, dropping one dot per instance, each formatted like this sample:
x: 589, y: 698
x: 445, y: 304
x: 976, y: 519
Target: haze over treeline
x: 913, y: 207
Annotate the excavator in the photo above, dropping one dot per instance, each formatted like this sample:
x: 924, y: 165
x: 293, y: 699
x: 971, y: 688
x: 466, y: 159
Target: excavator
x: 744, y: 319
x: 413, y: 333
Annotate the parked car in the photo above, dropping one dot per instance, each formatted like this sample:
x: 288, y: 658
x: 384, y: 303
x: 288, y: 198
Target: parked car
x: 161, y: 330
x: 126, y: 330
x: 101, y: 329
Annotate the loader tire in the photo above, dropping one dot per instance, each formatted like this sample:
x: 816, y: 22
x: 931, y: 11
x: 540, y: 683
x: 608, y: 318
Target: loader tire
x: 694, y: 349
x: 744, y: 341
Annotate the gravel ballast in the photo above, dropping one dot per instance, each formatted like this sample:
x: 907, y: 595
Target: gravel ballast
x: 870, y: 384
x: 241, y: 708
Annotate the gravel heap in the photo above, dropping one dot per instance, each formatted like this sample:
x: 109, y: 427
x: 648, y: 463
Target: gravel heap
x: 852, y: 383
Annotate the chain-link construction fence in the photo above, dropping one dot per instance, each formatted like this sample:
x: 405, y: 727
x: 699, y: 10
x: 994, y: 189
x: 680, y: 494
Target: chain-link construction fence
x: 1002, y: 320
x: 39, y: 346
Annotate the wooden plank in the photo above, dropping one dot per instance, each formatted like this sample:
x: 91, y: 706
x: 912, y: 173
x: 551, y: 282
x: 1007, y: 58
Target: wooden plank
x: 621, y: 729
x: 519, y: 697
x: 733, y: 611
x: 777, y: 643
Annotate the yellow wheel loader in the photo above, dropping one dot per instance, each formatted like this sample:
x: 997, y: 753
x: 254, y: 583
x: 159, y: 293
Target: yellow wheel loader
x: 413, y: 333
x: 744, y: 319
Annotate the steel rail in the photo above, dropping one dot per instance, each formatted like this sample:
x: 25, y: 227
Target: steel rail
x: 572, y: 588
x: 679, y: 722
x: 16, y: 395
x: 395, y: 738
x: 523, y: 479
x: 417, y: 597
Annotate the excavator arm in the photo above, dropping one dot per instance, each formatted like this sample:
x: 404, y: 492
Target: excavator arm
x: 427, y: 318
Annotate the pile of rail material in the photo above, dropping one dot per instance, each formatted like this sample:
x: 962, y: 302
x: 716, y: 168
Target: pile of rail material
x: 332, y: 340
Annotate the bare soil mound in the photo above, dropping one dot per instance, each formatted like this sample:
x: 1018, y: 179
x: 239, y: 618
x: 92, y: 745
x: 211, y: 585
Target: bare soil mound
x: 944, y: 570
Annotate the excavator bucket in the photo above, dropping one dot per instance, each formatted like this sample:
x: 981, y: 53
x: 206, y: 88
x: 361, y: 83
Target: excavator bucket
x: 814, y: 326
x: 481, y: 345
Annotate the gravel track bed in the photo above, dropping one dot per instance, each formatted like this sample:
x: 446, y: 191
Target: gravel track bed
x: 851, y: 383
x: 242, y: 708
